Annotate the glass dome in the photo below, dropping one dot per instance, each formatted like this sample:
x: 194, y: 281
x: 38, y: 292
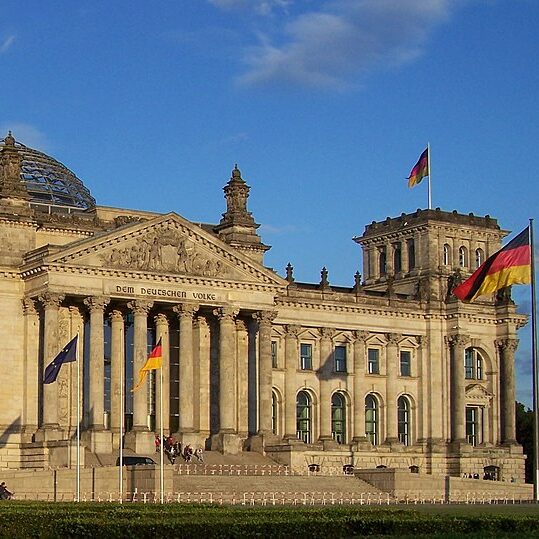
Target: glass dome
x: 48, y: 182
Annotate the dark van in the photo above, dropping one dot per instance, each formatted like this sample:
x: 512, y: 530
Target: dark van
x: 135, y: 460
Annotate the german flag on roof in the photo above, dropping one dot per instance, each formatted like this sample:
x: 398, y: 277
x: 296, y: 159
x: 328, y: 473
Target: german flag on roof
x: 510, y: 265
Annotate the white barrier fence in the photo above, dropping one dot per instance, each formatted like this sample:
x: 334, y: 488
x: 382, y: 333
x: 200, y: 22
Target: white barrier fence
x: 282, y: 498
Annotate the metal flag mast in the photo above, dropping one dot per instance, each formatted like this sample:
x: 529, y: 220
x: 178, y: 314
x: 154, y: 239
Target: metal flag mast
x: 78, y: 416
x: 535, y: 372
x: 161, y: 453
x: 122, y: 416
x: 428, y: 171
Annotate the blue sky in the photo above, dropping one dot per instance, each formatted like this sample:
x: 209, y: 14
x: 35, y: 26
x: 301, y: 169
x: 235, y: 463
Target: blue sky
x: 324, y: 105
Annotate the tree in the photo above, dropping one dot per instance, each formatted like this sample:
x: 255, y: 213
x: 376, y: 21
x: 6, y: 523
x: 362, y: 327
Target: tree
x: 524, y: 428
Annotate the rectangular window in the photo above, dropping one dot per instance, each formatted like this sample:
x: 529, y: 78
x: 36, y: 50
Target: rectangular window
x: 373, y: 355
x: 306, y: 359
x: 340, y: 359
x: 274, y: 354
x: 473, y: 425
x: 411, y: 254
x: 469, y: 364
x: 406, y: 363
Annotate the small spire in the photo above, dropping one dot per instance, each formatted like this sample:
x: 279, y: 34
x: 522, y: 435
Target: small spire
x: 290, y: 273
x: 9, y: 140
x: 324, y: 282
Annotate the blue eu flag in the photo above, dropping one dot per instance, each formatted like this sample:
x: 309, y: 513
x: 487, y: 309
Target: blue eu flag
x: 68, y: 353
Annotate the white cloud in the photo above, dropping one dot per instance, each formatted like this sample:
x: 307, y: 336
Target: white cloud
x: 6, y: 43
x: 343, y: 41
x: 25, y: 134
x: 261, y: 7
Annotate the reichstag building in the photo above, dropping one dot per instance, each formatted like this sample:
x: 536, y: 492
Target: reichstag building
x: 392, y: 371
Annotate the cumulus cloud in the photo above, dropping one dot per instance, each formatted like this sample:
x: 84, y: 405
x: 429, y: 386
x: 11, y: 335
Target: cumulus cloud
x: 343, y: 40
x: 6, y: 43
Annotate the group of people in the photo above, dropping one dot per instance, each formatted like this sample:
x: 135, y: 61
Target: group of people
x: 174, y: 449
x: 5, y: 494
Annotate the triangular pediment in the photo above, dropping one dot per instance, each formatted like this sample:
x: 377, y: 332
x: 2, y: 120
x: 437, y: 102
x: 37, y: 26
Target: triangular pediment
x: 168, y: 245
x: 476, y: 393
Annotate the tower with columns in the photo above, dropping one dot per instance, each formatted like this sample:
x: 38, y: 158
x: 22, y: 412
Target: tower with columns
x: 390, y: 371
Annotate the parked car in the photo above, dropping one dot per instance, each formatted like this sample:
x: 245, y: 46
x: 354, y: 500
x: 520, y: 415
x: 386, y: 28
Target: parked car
x: 135, y: 460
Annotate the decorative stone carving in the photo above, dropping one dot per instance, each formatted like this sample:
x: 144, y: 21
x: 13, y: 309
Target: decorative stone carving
x: 29, y: 306
x: 457, y: 340
x: 96, y: 303
x: 393, y: 339
x: 360, y: 335
x: 166, y: 250
x: 423, y: 340
x: 265, y: 317
x: 290, y: 273
x: 186, y: 309
x: 122, y: 220
x: 226, y: 313
x: 292, y: 331
x: 51, y: 300
x: 324, y: 281
x: 140, y: 306
x: 509, y: 345
x: 10, y: 171
x: 326, y: 333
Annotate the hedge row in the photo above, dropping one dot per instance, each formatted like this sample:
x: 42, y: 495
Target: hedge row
x: 30, y: 519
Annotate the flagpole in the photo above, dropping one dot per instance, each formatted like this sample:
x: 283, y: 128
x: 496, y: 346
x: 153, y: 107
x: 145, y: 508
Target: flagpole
x: 122, y: 415
x: 78, y: 418
x: 162, y: 477
x: 535, y: 372
x: 428, y: 170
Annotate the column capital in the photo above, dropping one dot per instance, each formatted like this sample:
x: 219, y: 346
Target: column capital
x: 226, y: 314
x: 326, y: 334
x: 241, y: 325
x: 160, y: 319
x: 422, y: 340
x: 96, y: 303
x: 264, y: 317
x: 29, y: 306
x: 51, y: 300
x: 393, y: 339
x: 457, y: 340
x: 116, y: 315
x: 507, y: 345
x: 360, y: 335
x: 140, y: 306
x: 292, y: 331
x: 186, y: 309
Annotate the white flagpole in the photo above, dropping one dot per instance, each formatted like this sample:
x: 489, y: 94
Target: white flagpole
x: 535, y: 371
x: 122, y: 414
x: 78, y: 416
x: 162, y: 477
x: 428, y: 170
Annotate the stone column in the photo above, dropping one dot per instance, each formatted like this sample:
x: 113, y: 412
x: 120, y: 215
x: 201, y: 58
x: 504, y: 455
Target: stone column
x: 291, y: 365
x: 392, y: 370
x: 265, y: 382
x: 117, y: 373
x: 140, y: 439
x: 30, y: 418
x: 226, y: 440
x: 96, y: 305
x: 324, y: 376
x: 201, y: 334
x: 162, y: 332
x: 360, y: 388
x: 507, y: 349
x: 185, y: 313
x: 458, y: 344
x: 242, y: 382
x: 51, y: 304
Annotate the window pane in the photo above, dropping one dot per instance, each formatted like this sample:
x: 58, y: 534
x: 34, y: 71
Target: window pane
x: 340, y: 359
x: 373, y: 361
x: 306, y: 362
x: 338, y: 418
x: 274, y: 354
x: 406, y: 360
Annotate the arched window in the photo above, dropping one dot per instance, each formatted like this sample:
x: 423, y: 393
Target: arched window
x: 382, y: 260
x: 473, y: 364
x: 371, y: 419
x: 479, y: 257
x: 463, y: 257
x: 338, y: 418
x: 403, y: 420
x: 447, y: 255
x: 304, y: 417
x: 397, y: 258
x: 274, y: 413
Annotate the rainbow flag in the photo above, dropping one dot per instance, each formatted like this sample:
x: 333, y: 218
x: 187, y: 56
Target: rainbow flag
x: 154, y: 361
x: 420, y: 170
x: 510, y: 265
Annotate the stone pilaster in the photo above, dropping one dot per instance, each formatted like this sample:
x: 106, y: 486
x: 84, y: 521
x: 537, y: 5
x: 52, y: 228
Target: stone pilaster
x: 392, y: 370
x: 201, y: 376
x: 324, y: 377
x: 507, y: 349
x: 30, y: 417
x: 96, y: 306
x: 227, y: 440
x: 291, y: 366
x: 51, y: 305
x: 242, y: 382
x: 185, y: 313
x: 360, y: 388
x: 457, y: 345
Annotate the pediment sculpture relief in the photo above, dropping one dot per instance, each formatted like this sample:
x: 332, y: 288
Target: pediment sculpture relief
x: 166, y: 251
x: 477, y: 394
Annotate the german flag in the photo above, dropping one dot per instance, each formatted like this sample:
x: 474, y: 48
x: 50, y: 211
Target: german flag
x: 420, y: 170
x: 154, y: 361
x: 510, y: 265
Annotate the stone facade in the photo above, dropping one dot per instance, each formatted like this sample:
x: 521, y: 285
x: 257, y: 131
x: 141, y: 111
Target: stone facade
x: 393, y: 371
